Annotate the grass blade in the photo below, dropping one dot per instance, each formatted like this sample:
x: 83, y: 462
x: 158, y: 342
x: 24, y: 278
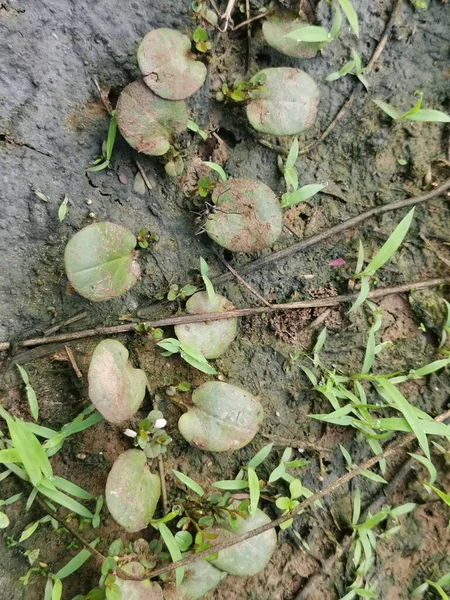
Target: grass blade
x: 173, y: 549
x: 66, y: 501
x: 72, y: 489
x: 428, y: 465
x: 76, y: 426
x: 77, y: 561
x: 231, y: 484
x: 369, y: 356
x: 350, y: 13
x: 293, y: 155
x: 310, y: 33
x: 32, y: 455
x: 388, y: 109
x: 302, y: 194
x: 391, y: 245
x: 188, y: 482
x: 402, y: 404
x: 428, y: 115
x: 217, y: 168
x: 10, y: 455
x: 260, y: 456
x: 362, y: 296
x: 356, y: 506
x: 253, y: 484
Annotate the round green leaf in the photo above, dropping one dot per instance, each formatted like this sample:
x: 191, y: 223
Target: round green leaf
x: 211, y: 338
x: 101, y: 262
x: 250, y: 556
x: 248, y: 216
x: 289, y: 105
x: 138, y: 590
x: 223, y: 417
x: 277, y: 26
x: 132, y: 491
x: 168, y: 66
x: 146, y: 121
x: 116, y: 389
x: 4, y: 520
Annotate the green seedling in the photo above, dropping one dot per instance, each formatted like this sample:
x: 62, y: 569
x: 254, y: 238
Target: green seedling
x: 144, y: 237
x: 419, y: 4
x: 201, y: 41
x: 177, y: 293
x: 352, y: 67
x: 442, y: 582
x: 416, y: 113
x: 104, y: 161
x: 168, y: 67
x: 211, y: 338
x: 246, y: 216
x: 446, y: 328
x: 223, y: 417
x: 278, y: 25
x: 63, y: 209
x: 31, y: 394
x: 189, y: 353
x: 243, y: 91
x: 294, y: 195
x: 316, y: 34
x: 385, y: 253
x: 150, y: 435
x: 148, y: 122
x: 175, y: 166
x: 101, y: 262
x: 289, y: 104
x: 116, y: 389
x: 192, y: 126
x: 202, y: 12
x: 132, y: 491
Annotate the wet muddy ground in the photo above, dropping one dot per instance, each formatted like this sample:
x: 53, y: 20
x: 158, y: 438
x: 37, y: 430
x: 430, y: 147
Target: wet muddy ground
x: 51, y: 127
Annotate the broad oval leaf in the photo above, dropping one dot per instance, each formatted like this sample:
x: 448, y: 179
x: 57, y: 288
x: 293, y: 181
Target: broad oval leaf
x: 138, y: 590
x: 250, y: 556
x: 248, y: 217
x: 276, y: 27
x: 146, y: 121
x: 211, y: 338
x: 289, y: 105
x: 169, y: 69
x: 100, y: 261
x: 223, y: 417
x: 116, y: 389
x: 132, y: 491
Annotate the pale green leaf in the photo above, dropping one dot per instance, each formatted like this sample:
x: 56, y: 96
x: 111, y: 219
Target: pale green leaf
x: 356, y: 506
x: 231, y: 484
x: 253, y: 485
x: 76, y: 562
x: 302, y: 194
x: 310, y: 33
x: 63, y: 209
x: 4, y: 520
x: 72, y: 489
x: 350, y: 13
x: 428, y: 115
x: 260, y: 456
x: 362, y: 296
x: 66, y: 501
x: 293, y: 154
x: 428, y: 465
x: 388, y: 109
x: 188, y: 482
x: 173, y: 549
x: 217, y: 168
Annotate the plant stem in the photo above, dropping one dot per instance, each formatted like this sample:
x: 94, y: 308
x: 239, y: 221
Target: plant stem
x: 238, y: 312
x: 308, y: 502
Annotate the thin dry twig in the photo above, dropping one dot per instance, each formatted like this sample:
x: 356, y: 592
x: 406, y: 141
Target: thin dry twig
x: 70, y: 321
x: 73, y: 362
x: 308, y: 502
x: 358, y: 86
x: 144, y: 175
x: 435, y: 249
x: 227, y: 15
x: 255, y: 18
x: 103, y: 96
x: 242, y: 280
x: 238, y: 312
x: 335, y: 230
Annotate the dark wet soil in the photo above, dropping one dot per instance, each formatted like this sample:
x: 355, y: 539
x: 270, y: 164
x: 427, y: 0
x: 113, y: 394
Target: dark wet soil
x: 52, y: 125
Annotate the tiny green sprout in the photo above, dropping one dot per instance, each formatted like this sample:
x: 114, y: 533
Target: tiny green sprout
x: 104, y: 161
x: 177, y: 293
x: 243, y: 90
x: 41, y: 195
x: 188, y: 353
x: 63, y: 209
x: 205, y: 186
x: 217, y: 168
x: 204, y: 270
x: 192, y: 125
x: 416, y: 113
x: 352, y: 67
x: 294, y: 195
x: 314, y: 33
x: 419, y: 4
x: 144, y: 237
x: 150, y: 435
x: 200, y: 39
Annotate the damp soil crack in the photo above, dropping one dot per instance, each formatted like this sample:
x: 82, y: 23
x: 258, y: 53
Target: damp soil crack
x: 8, y: 139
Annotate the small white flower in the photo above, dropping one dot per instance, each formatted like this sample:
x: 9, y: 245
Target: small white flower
x: 130, y: 433
x: 160, y: 423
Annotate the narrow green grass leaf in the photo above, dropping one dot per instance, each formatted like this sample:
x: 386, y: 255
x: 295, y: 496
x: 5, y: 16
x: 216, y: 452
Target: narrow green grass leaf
x: 309, y: 374
x: 388, y: 109
x: 260, y: 456
x: 66, y: 501
x: 76, y: 562
x: 32, y: 455
x: 373, y: 476
x: 428, y: 115
x: 431, y: 368
x: 350, y: 13
x: 442, y: 495
x: 232, y: 484
x: 320, y: 341
x: 72, y: 489
x: 438, y: 588
x: 336, y: 25
x: 205, y: 367
x: 78, y: 426
x: 302, y: 194
x: 57, y: 589
x: 217, y: 168
x: 253, y: 485
x: 403, y: 509
x: 356, y: 506
x: 173, y: 549
x: 402, y: 404
x: 63, y: 209
x: 40, y: 431
x: 362, y: 296
x: 188, y: 482
x: 10, y: 455
x: 427, y: 464
x: 369, y: 356
x: 293, y: 154
x: 360, y: 261
x: 391, y: 245
x: 31, y: 394
x: 310, y: 33
x: 112, y: 131
x: 23, y: 374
